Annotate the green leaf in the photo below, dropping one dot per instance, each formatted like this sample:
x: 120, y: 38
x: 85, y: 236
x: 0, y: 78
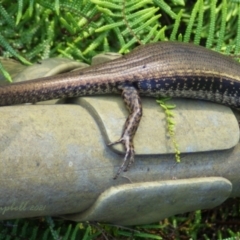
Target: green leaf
x: 5, y: 44
x: 5, y: 73
x: 19, y: 13
x: 56, y: 6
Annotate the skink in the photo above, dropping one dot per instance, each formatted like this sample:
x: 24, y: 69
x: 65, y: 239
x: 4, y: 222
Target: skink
x: 158, y: 69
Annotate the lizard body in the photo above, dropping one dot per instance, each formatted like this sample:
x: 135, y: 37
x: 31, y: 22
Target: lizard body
x: 166, y: 69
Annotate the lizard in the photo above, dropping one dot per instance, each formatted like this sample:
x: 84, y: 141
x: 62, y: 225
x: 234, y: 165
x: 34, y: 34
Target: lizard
x: 166, y: 69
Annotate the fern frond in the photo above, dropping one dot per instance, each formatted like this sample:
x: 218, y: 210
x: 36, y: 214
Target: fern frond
x: 24, y: 229
x: 95, y: 44
x: 51, y: 224
x: 5, y: 44
x: 67, y: 234
x: 110, y: 26
x: 170, y: 124
x: 165, y: 8
x: 192, y: 20
x: 19, y: 13
x: 56, y: 7
x: 212, y: 24
x: 30, y: 8
x: 140, y: 20
x: 5, y: 73
x: 176, y: 26
x: 117, y: 31
x: 223, y: 26
x: 7, y: 17
x: 106, y: 4
x: 237, y: 49
x: 197, y: 36
x: 160, y: 36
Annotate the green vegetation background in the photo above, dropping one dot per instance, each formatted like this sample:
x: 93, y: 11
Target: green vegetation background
x: 32, y: 30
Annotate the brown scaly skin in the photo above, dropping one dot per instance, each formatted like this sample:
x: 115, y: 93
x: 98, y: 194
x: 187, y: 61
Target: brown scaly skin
x: 167, y: 69
x: 133, y: 103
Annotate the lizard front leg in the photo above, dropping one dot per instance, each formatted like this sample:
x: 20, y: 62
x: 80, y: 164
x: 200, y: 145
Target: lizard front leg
x: 133, y: 103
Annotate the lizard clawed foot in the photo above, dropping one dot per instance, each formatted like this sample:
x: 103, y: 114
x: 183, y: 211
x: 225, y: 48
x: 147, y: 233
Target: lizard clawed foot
x: 129, y: 155
x: 132, y: 100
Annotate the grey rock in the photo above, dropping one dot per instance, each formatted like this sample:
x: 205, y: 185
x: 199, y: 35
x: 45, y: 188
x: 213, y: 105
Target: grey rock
x: 55, y: 159
x: 142, y: 203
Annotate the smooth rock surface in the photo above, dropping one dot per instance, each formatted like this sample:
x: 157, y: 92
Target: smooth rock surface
x: 199, y: 126
x: 142, y: 203
x: 48, y: 67
x: 105, y: 57
x: 55, y: 161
